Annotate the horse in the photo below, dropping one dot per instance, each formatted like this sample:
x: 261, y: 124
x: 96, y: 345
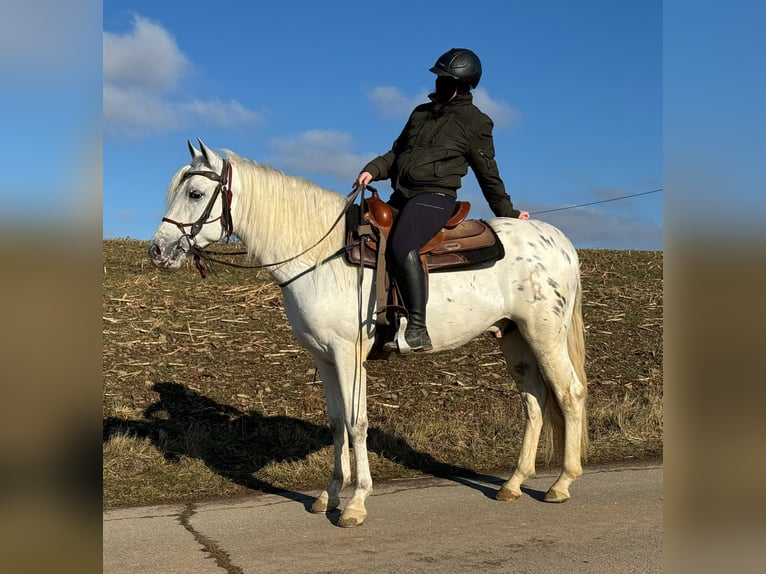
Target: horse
x: 530, y: 300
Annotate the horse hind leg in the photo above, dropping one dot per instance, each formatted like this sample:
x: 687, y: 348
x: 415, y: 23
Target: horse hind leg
x: 523, y: 366
x: 569, y: 389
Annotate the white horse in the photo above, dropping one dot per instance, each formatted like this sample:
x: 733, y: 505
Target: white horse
x: 284, y: 220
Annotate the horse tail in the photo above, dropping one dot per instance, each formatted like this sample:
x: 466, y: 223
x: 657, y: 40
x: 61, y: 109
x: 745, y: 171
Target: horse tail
x: 553, y: 417
x: 553, y: 429
x: 576, y: 349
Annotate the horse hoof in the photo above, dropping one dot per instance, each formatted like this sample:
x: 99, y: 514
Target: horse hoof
x: 351, y: 519
x: 319, y: 506
x: 507, y: 495
x: 556, y: 496
x: 322, y: 504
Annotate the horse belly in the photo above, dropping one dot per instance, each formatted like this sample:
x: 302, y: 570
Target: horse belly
x: 534, y: 283
x: 462, y: 305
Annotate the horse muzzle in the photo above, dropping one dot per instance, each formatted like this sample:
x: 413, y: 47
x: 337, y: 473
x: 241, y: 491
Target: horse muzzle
x: 167, y: 255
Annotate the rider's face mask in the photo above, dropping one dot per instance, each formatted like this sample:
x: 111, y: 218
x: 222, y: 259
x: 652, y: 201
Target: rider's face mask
x: 446, y: 88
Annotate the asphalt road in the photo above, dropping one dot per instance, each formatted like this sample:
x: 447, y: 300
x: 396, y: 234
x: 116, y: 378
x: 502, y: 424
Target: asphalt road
x: 613, y: 523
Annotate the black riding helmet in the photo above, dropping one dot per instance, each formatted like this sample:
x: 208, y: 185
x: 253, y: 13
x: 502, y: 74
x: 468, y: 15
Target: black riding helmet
x: 461, y: 64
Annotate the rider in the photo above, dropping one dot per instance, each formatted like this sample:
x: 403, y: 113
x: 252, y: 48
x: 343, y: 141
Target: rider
x: 425, y: 165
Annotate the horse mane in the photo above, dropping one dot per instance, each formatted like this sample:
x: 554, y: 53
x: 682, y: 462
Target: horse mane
x: 282, y: 215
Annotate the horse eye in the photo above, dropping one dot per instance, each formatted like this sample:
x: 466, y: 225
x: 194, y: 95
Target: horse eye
x: 194, y: 194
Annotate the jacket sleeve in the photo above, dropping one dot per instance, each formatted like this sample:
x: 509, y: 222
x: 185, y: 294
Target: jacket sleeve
x: 380, y: 167
x: 481, y: 158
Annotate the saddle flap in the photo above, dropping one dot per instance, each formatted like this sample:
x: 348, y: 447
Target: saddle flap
x: 470, y: 234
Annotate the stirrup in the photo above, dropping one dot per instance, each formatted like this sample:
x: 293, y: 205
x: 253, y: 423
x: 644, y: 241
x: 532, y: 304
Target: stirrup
x: 400, y: 345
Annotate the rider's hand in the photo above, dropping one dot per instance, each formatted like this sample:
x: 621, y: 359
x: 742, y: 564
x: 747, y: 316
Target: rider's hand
x: 364, y: 178
x: 524, y: 215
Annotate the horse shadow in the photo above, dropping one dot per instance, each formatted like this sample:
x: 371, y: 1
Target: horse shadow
x: 237, y: 445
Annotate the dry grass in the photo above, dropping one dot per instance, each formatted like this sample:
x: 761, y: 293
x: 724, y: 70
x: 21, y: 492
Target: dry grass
x: 206, y: 393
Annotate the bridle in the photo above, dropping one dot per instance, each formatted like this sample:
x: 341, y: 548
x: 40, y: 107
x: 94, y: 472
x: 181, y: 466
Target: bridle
x: 224, y: 189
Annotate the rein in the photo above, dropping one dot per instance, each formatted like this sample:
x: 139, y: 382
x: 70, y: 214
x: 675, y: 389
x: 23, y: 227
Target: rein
x: 224, y: 188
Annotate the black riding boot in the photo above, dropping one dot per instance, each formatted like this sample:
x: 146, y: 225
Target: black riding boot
x: 411, y: 280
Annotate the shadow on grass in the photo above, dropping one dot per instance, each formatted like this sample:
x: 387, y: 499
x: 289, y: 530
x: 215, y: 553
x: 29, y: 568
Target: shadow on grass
x: 237, y: 445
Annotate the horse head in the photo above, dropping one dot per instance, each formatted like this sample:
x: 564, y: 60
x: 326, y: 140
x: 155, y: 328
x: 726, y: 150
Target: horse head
x: 198, y: 208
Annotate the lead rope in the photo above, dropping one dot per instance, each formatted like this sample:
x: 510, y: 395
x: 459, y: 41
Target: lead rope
x: 359, y: 354
x: 364, y: 230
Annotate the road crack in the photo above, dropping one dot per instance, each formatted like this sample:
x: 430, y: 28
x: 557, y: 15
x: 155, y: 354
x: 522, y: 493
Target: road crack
x: 221, y: 557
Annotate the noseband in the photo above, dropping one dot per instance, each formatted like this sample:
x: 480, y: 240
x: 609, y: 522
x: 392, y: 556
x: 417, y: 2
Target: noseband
x: 224, y: 188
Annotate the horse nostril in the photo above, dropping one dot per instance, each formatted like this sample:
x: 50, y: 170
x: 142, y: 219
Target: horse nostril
x: 154, y: 251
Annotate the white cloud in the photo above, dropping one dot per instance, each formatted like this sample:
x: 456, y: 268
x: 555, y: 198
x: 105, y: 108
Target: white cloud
x: 319, y: 152
x: 145, y: 58
x: 391, y: 102
x: 594, y: 228
x: 603, y: 227
x: 222, y: 114
x: 142, y: 69
x: 502, y: 114
x: 133, y: 111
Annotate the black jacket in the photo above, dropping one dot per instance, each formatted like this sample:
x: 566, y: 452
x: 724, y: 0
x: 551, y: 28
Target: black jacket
x: 435, y: 149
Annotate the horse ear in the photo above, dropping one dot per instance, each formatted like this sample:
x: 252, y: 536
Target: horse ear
x: 192, y: 150
x: 211, y: 157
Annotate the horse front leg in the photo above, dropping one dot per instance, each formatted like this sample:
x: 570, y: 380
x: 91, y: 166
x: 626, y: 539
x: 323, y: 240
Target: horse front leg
x: 353, y: 389
x: 355, y: 511
x: 329, y: 499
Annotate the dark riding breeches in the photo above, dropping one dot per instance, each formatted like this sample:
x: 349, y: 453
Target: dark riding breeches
x: 418, y: 221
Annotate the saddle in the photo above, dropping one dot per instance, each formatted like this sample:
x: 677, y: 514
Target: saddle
x: 461, y: 244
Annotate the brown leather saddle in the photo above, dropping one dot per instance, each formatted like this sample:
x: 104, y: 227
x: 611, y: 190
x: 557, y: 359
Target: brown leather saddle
x: 461, y: 244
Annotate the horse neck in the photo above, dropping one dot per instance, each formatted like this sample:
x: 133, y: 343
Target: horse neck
x: 278, y: 216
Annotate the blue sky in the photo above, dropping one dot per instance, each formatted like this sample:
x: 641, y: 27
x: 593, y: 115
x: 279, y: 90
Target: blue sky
x: 317, y: 89
x: 574, y: 87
